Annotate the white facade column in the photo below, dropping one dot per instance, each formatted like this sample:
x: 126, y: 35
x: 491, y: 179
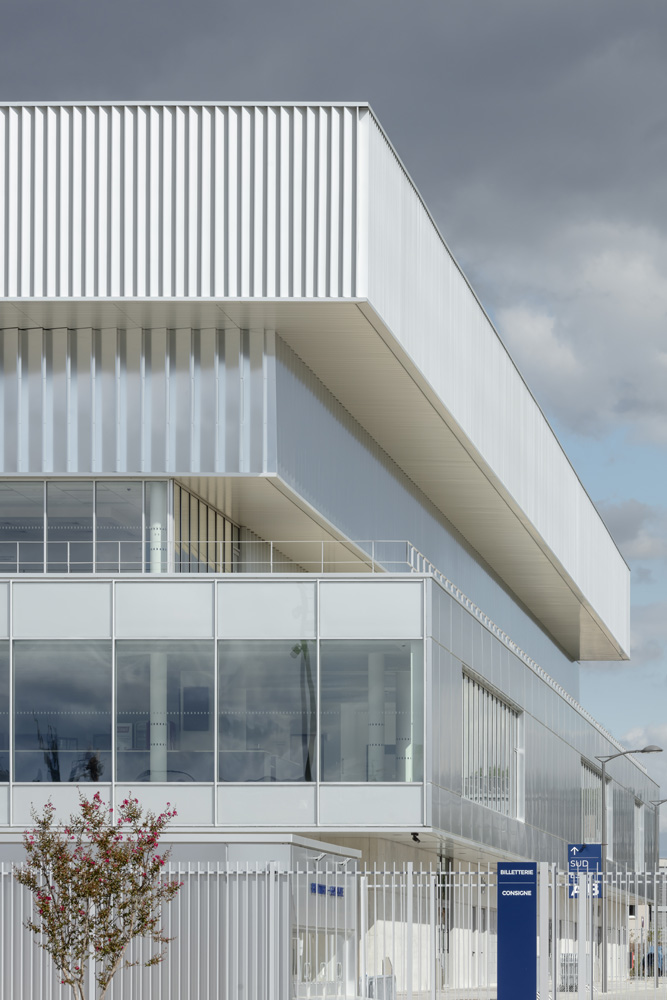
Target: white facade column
x: 404, y: 723
x: 376, y: 716
x: 417, y: 695
x: 158, y: 729
x: 157, y: 515
x: 410, y: 717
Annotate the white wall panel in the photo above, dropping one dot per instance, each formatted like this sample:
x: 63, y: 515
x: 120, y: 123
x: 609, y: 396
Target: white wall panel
x: 381, y: 805
x: 61, y: 610
x: 421, y: 294
x: 261, y: 805
x: 175, y: 200
x: 164, y: 610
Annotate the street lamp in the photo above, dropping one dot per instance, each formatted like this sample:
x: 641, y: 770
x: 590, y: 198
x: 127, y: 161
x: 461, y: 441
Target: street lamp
x: 657, y: 803
x: 604, y: 761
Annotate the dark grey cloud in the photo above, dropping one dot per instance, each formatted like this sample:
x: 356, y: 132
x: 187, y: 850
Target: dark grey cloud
x: 639, y: 529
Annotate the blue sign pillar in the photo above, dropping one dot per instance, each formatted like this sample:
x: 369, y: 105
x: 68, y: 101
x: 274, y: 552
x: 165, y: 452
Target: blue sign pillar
x: 517, y: 930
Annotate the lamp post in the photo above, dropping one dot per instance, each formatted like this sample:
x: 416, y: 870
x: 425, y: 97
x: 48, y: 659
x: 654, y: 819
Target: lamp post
x: 604, y: 761
x: 657, y: 803
x: 656, y: 837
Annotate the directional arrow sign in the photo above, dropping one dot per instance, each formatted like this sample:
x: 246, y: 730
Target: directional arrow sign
x: 584, y: 859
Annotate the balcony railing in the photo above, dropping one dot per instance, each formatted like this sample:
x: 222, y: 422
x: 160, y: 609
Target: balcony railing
x: 211, y: 556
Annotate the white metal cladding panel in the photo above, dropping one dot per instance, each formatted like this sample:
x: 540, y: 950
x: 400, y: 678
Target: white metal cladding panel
x: 137, y: 401
x: 174, y: 200
x: 422, y: 296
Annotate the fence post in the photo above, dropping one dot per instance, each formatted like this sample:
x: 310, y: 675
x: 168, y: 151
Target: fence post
x: 543, y: 899
x: 656, y: 928
x: 433, y: 886
x: 554, y: 925
x: 582, y: 969
x: 271, y: 873
x: 363, y: 923
x: 408, y: 929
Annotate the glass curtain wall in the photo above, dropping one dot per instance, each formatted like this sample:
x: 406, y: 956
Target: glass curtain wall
x: 370, y: 696
x: 371, y: 710
x: 111, y: 526
x: 4, y: 711
x: 268, y: 710
x: 21, y: 527
x: 491, y: 736
x: 119, y: 526
x: 62, y: 711
x: 83, y: 526
x: 164, y: 703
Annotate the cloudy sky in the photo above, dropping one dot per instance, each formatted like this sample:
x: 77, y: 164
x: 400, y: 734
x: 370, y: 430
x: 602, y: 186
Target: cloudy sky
x: 537, y: 134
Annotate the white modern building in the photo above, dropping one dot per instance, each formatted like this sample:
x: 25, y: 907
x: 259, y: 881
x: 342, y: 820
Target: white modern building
x: 284, y: 536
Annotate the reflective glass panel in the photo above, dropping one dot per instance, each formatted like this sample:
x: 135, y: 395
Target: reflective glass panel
x: 268, y: 706
x: 4, y: 711
x: 62, y: 711
x: 372, y: 710
x: 164, y: 703
x: 118, y: 528
x: 69, y: 515
x: 21, y: 527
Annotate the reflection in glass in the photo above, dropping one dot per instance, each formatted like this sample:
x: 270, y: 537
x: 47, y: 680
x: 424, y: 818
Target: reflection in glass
x: 62, y: 711
x: 4, y: 711
x: 21, y: 527
x: 371, y: 708
x: 267, y: 710
x: 69, y: 515
x: 118, y: 527
x: 164, y: 699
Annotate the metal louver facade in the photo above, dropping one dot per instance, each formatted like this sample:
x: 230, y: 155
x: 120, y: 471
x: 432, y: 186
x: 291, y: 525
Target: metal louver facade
x: 137, y: 401
x: 175, y: 200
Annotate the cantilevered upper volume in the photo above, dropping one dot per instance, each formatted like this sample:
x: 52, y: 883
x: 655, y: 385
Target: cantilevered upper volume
x: 300, y: 220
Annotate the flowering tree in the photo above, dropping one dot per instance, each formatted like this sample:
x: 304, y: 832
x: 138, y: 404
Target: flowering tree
x: 97, y: 883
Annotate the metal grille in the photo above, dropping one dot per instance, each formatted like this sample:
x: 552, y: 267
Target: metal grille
x: 389, y: 934
x: 490, y: 745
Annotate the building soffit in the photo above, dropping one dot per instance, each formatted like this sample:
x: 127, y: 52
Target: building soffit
x: 357, y: 359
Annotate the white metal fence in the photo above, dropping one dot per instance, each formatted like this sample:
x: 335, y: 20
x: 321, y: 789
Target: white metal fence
x: 387, y: 934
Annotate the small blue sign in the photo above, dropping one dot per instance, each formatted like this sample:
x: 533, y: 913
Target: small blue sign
x: 320, y: 889
x: 584, y: 859
x: 517, y: 930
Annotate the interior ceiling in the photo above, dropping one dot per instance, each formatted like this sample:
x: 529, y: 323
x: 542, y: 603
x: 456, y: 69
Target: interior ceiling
x: 346, y: 346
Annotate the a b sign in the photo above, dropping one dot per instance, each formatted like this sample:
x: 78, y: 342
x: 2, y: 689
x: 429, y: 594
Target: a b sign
x: 584, y: 859
x: 517, y: 930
